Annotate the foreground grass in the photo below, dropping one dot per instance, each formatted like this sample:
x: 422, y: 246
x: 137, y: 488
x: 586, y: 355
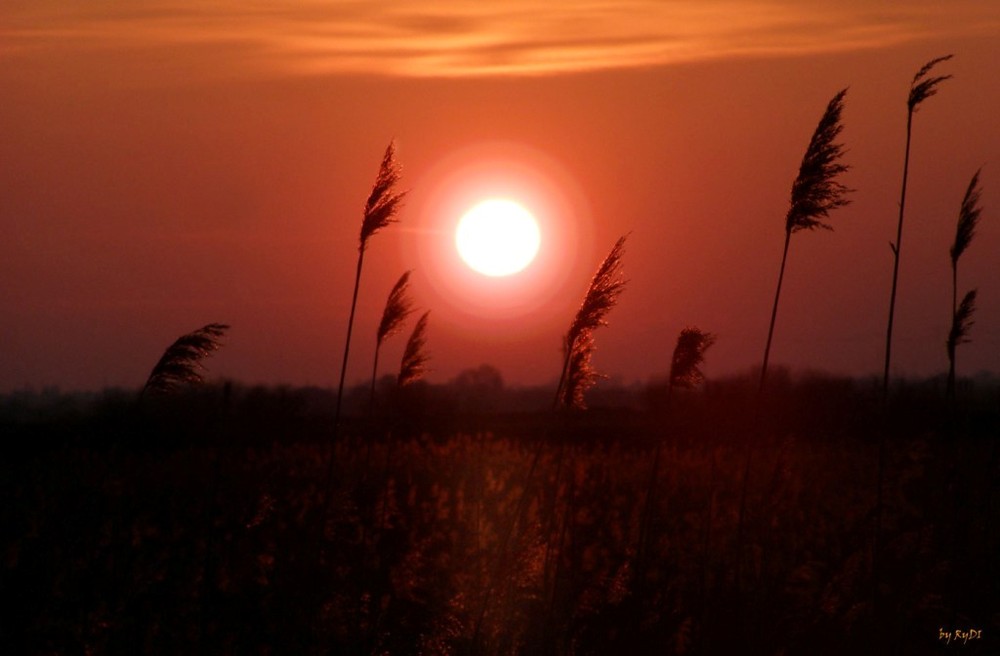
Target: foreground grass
x: 174, y: 532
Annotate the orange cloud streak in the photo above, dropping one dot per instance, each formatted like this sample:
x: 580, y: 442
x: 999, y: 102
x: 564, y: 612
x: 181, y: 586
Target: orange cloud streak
x: 455, y: 38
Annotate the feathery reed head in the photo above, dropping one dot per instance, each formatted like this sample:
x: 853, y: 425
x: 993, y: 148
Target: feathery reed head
x: 578, y: 345
x: 181, y: 361
x: 602, y: 295
x: 924, y: 87
x: 961, y: 323
x: 397, y: 308
x: 384, y: 201
x: 412, y: 368
x: 968, y: 218
x: 580, y: 375
x: 688, y: 354
x: 816, y: 192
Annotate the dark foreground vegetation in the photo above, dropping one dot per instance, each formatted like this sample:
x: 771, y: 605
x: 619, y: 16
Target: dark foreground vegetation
x: 193, y: 523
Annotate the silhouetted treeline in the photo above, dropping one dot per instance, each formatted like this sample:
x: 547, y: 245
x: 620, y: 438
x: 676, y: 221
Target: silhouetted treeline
x: 478, y: 399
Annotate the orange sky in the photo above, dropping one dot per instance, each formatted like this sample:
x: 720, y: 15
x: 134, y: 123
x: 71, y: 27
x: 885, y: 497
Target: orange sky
x: 173, y: 166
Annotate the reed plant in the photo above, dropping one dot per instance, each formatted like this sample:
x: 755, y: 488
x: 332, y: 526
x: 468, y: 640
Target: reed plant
x: 380, y: 211
x: 961, y: 313
x: 180, y: 365
x: 576, y: 377
x: 685, y: 373
x: 398, y: 307
x: 815, y: 193
x: 923, y: 86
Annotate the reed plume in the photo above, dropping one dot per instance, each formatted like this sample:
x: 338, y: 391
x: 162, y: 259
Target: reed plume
x: 384, y: 201
x: 602, y: 295
x: 413, y: 365
x: 962, y: 322
x: 181, y: 362
x: 815, y: 193
x: 968, y: 219
x: 397, y: 308
x: 689, y: 353
x: 965, y: 230
x: 922, y: 87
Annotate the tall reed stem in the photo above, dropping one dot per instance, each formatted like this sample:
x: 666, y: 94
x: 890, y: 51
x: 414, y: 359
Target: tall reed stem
x: 328, y: 479
x: 774, y: 314
x: 896, y: 246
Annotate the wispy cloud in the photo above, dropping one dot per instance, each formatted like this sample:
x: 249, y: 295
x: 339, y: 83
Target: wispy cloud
x: 448, y: 38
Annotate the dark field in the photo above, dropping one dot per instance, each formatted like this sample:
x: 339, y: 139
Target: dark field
x: 193, y: 524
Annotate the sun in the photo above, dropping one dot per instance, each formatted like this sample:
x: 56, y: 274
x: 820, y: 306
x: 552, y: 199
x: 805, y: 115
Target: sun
x: 497, y: 237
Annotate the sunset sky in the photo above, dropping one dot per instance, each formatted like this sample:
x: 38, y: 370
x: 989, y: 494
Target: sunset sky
x: 168, y: 165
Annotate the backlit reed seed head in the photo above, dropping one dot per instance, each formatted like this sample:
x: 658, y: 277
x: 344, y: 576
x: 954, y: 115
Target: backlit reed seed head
x: 688, y: 355
x: 181, y: 362
x: 578, y: 345
x: 602, y: 295
x: 413, y: 365
x: 923, y: 87
x: 816, y: 191
x: 580, y: 375
x: 968, y: 219
x: 384, y: 201
x: 961, y: 323
x: 397, y: 308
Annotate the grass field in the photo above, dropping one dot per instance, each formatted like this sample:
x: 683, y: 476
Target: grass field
x: 192, y: 524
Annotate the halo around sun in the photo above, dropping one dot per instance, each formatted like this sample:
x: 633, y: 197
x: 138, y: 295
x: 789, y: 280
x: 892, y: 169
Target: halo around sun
x: 497, y: 237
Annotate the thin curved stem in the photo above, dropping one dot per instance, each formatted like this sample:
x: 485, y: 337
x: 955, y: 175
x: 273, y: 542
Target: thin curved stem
x: 340, y: 394
x: 774, y: 313
x: 896, y: 247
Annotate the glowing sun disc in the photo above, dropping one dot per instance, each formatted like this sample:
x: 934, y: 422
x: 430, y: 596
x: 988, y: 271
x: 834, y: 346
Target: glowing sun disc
x: 497, y: 237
